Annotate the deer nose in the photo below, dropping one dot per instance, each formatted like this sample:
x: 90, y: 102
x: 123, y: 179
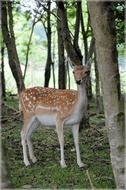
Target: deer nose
x: 78, y: 82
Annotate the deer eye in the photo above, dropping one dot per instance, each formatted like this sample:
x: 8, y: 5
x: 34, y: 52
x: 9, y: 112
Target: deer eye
x: 73, y: 72
x: 87, y: 72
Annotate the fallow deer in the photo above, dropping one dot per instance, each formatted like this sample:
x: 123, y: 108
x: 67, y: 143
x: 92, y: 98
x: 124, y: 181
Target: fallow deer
x: 51, y: 107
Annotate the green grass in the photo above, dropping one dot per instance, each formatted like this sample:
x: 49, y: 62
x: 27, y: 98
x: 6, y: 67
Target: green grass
x: 47, y: 173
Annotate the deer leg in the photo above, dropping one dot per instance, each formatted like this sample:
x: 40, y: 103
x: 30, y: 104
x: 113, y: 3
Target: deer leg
x: 29, y: 143
x: 75, y: 130
x: 23, y: 142
x: 59, y: 129
x: 24, y: 133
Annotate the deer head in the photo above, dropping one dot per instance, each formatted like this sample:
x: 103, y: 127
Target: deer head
x: 81, y: 72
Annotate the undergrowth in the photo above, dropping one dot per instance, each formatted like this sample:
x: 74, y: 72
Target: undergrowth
x: 47, y: 173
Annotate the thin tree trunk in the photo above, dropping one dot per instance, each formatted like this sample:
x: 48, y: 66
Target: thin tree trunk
x: 9, y: 40
x: 85, y: 120
x: 99, y: 100
x: 28, y: 48
x: 68, y: 75
x: 102, y: 21
x: 91, y: 49
x: 77, y: 28
x: 2, y: 72
x: 53, y: 75
x: 61, y: 60
x: 49, y: 57
x: 53, y: 62
x: 66, y: 35
x: 84, y: 34
x: 90, y: 54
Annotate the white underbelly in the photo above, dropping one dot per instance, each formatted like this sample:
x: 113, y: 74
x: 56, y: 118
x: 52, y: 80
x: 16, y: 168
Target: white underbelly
x: 72, y: 119
x: 49, y: 120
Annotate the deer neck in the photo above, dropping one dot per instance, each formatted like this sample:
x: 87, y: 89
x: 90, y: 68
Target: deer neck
x: 80, y: 106
x: 82, y: 95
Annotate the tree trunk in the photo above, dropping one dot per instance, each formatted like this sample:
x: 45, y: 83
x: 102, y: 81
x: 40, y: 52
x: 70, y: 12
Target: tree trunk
x: 76, y: 60
x: 90, y: 54
x: 85, y: 120
x: 84, y: 34
x: 53, y: 75
x: 9, y: 40
x: 102, y: 21
x: 53, y: 62
x: 28, y: 48
x: 99, y: 101
x: 3, y: 84
x: 68, y: 74
x: 49, y: 57
x: 91, y: 48
x: 77, y: 28
x: 72, y: 54
x: 61, y: 60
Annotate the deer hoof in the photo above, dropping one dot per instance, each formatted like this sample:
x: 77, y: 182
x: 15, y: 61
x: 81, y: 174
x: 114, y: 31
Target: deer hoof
x: 81, y: 165
x: 34, y: 159
x: 63, y: 165
x: 27, y: 163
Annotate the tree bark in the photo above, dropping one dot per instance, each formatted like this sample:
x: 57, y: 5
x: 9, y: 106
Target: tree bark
x: 99, y: 100
x: 9, y: 40
x: 91, y: 48
x: 68, y: 74
x: 49, y: 57
x: 84, y: 34
x: 61, y: 60
x: 76, y: 60
x: 28, y: 48
x: 102, y: 22
x: 53, y: 62
x: 3, y: 84
x: 90, y: 54
x: 77, y: 28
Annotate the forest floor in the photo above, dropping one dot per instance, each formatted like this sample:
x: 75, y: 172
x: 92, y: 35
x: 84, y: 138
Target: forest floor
x: 47, y: 173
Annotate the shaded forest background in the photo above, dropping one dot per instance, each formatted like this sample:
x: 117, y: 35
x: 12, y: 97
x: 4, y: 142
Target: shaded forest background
x: 40, y: 40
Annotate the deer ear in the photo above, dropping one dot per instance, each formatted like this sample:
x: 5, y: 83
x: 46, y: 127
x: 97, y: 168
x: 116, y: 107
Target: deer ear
x: 88, y: 64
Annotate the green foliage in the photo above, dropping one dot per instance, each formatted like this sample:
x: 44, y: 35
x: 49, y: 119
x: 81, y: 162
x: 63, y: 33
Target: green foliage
x: 71, y: 13
x: 119, y: 12
x: 22, y: 28
x: 27, y: 15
